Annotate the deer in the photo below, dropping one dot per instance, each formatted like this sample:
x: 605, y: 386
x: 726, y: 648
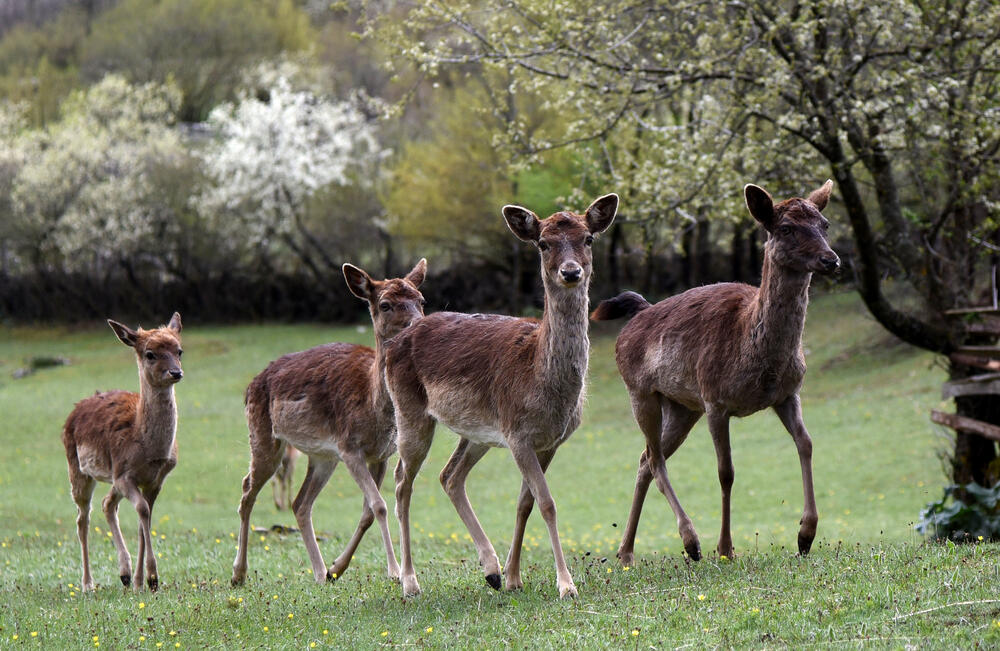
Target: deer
x: 128, y: 440
x: 331, y: 403
x: 281, y: 483
x: 500, y: 381
x: 725, y: 350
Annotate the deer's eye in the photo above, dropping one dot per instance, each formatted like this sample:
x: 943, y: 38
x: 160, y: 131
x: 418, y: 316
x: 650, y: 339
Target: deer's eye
x: 589, y: 240
x: 180, y: 352
x: 826, y: 226
x: 423, y: 302
x: 784, y: 230
x: 150, y: 355
x: 385, y: 306
x: 543, y: 245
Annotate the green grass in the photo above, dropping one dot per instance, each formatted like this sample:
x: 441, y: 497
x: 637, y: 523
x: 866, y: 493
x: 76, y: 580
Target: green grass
x: 866, y: 402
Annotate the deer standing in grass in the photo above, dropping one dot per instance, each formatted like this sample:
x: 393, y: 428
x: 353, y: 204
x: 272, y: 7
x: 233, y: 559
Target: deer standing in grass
x: 129, y: 441
x: 500, y: 381
x: 331, y: 403
x: 725, y: 350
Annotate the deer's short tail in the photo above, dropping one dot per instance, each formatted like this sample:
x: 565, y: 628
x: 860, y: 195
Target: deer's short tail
x: 626, y: 304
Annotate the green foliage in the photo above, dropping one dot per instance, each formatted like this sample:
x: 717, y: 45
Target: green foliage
x: 201, y: 45
x: 971, y: 515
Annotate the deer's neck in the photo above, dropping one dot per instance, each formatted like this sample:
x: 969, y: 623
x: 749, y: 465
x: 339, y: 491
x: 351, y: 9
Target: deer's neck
x: 157, y: 417
x: 381, y: 402
x: 779, y: 313
x: 563, y: 345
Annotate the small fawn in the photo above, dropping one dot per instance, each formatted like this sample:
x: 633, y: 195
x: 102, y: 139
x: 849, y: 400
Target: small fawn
x: 331, y: 403
x: 500, y: 381
x: 129, y: 441
x: 724, y: 350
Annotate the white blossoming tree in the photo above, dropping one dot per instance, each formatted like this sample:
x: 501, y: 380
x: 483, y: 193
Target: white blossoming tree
x: 80, y: 196
x: 270, y: 157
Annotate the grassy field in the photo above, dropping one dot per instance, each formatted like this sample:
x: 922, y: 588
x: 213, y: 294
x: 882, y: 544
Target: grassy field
x: 869, y: 580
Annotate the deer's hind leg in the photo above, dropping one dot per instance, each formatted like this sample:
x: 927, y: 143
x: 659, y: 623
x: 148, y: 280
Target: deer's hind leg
x: 665, y: 424
x: 82, y: 489
x: 265, y: 455
x: 317, y: 474
x: 415, y: 435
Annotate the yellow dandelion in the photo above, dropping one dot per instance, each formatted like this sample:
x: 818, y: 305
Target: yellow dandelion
x: 95, y: 638
x: 262, y: 538
x: 980, y: 539
x: 609, y: 570
x: 34, y: 634
x: 723, y: 557
x: 239, y: 600
x: 142, y: 604
x: 72, y: 594
x: 267, y: 548
x: 265, y: 629
x: 290, y: 615
x: 385, y: 633
x: 177, y: 645
x: 218, y: 540
x: 274, y: 596
x: 334, y: 575
x: 142, y: 638
x: 14, y: 636
x: 312, y: 645
x: 701, y: 597
x: 159, y: 644
x: 626, y: 568
x: 754, y: 611
x: 635, y: 632
x: 97, y: 644
x: 325, y: 631
x: 173, y: 633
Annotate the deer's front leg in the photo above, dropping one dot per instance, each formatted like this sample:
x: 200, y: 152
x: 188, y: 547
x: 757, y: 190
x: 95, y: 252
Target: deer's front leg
x: 531, y: 470
x: 790, y: 413
x: 110, y: 507
x: 525, y: 502
x: 127, y: 487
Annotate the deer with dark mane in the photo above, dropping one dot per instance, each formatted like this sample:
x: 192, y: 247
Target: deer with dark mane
x: 331, y: 403
x: 725, y: 350
x: 129, y: 441
x: 500, y: 381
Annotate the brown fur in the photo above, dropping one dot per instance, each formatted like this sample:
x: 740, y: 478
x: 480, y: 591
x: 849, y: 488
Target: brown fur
x: 281, y: 483
x: 726, y: 350
x: 330, y: 402
x: 128, y: 440
x: 500, y: 381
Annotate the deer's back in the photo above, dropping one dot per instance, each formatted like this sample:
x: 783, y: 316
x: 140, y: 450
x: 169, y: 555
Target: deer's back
x: 320, y: 400
x: 473, y: 372
x: 97, y: 428
x: 689, y: 347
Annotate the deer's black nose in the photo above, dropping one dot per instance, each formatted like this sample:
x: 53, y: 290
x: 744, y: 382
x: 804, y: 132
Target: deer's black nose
x: 178, y: 374
x: 831, y: 263
x: 571, y: 273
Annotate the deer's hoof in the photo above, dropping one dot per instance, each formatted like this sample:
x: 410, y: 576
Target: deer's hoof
x: 693, y: 550
x: 153, y: 583
x: 568, y: 592
x: 493, y: 580
x: 126, y: 579
x: 410, y: 587
x: 805, y: 544
x: 627, y: 559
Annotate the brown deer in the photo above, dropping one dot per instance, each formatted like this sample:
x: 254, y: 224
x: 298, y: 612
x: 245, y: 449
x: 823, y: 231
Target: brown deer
x: 724, y: 350
x: 281, y: 483
x: 331, y: 403
x: 129, y: 441
x: 500, y: 381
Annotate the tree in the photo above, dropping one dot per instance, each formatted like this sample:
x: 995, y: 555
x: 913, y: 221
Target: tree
x: 200, y: 45
x: 79, y: 198
x: 897, y: 101
x: 269, y: 159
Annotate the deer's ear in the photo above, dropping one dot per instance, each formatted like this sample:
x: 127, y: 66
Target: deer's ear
x: 820, y: 197
x: 175, y: 322
x: 359, y: 282
x: 522, y: 222
x: 128, y: 336
x: 417, y: 274
x: 601, y: 213
x: 760, y: 205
